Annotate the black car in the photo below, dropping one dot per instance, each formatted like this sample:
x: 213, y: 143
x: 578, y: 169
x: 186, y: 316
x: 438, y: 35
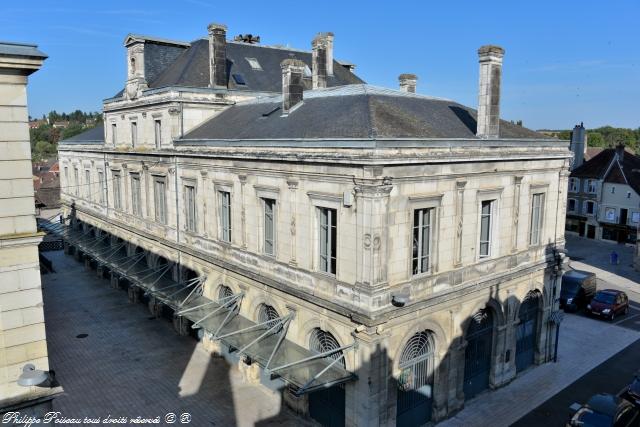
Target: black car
x: 605, y: 410
x: 632, y: 393
x: 578, y: 287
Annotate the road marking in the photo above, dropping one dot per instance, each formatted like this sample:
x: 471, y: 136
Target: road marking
x: 626, y: 318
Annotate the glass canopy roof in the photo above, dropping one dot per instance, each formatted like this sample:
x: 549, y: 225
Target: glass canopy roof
x: 265, y: 343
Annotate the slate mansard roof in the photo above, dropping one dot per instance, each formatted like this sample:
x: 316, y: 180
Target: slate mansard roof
x: 188, y: 66
x: 355, y: 111
x: 92, y: 136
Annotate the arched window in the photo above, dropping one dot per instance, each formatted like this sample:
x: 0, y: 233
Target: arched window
x: 322, y: 341
x: 224, y: 292
x: 415, y: 384
x: 266, y: 313
x: 133, y: 65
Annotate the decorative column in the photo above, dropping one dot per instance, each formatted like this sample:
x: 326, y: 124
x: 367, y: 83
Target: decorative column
x: 125, y: 183
x: 293, y: 186
x: 243, y: 213
x: 459, y: 222
x: 516, y: 213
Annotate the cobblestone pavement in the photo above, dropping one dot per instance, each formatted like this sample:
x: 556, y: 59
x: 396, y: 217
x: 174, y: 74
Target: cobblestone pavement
x: 131, y: 365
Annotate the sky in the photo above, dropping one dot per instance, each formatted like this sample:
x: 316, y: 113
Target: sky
x: 566, y: 62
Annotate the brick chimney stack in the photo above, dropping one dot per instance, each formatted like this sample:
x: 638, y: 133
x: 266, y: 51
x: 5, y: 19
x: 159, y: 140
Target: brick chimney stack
x: 292, y: 87
x: 490, y: 58
x: 578, y: 145
x: 319, y: 62
x: 408, y: 82
x: 217, y: 55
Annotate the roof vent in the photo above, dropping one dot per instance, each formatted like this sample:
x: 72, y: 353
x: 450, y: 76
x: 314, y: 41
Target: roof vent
x: 247, y: 38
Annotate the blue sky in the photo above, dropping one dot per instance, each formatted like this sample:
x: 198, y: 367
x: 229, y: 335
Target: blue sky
x: 565, y: 62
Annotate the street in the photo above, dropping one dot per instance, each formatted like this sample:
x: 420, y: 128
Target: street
x: 613, y: 375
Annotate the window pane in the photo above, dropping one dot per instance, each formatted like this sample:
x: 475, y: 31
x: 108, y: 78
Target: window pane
x: 268, y: 226
x: 485, y: 227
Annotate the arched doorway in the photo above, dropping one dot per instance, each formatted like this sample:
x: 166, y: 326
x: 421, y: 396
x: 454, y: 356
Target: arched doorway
x: 526, y: 333
x: 327, y: 406
x: 415, y: 385
x: 477, y: 356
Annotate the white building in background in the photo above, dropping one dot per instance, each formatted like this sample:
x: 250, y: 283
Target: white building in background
x: 420, y: 252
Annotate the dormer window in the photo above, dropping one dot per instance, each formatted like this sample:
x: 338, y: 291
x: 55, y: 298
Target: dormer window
x: 254, y: 63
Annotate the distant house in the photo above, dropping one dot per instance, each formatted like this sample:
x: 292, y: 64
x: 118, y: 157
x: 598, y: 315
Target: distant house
x: 604, y: 197
x: 33, y: 124
x: 46, y: 184
x: 61, y: 124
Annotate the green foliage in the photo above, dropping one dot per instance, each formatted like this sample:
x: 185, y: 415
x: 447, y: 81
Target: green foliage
x: 45, y: 137
x: 608, y: 136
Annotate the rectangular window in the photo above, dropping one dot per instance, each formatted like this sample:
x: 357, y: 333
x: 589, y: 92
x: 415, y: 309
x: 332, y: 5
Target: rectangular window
x: 101, y: 186
x: 328, y: 239
x: 66, y: 179
x: 591, y: 186
x: 134, y: 134
x: 87, y: 184
x: 158, y: 132
x: 269, y: 226
x: 635, y: 217
x: 76, y: 178
x: 114, y: 133
x: 572, y: 205
x: 160, y: 200
x: 117, y: 188
x: 136, y: 199
x: 628, y: 194
x: 573, y: 185
x: 225, y: 215
x: 590, y: 207
x: 190, y: 207
x: 486, y: 213
x: 537, y: 215
x: 421, y: 240
x: 613, y: 190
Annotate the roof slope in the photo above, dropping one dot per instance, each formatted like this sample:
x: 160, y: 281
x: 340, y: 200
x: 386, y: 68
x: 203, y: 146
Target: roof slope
x: 597, y: 166
x: 92, y: 136
x: 626, y: 171
x: 355, y: 111
x: 191, y: 68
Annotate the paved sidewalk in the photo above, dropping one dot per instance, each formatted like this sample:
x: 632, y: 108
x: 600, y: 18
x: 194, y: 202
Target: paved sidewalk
x: 508, y: 404
x: 130, y: 364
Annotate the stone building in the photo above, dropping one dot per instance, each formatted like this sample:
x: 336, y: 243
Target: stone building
x: 23, y: 345
x: 374, y: 251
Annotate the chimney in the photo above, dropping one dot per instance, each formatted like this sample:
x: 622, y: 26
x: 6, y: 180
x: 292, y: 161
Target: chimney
x: 490, y: 58
x: 620, y: 152
x: 319, y: 62
x: 408, y: 82
x: 217, y: 55
x: 292, y: 72
x: 329, y: 46
x: 578, y: 145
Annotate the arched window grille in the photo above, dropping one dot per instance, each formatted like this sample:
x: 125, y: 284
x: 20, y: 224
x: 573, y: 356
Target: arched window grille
x: 224, y: 292
x: 322, y: 341
x: 266, y: 313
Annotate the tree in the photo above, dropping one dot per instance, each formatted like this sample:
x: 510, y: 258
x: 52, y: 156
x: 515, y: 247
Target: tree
x: 595, y: 139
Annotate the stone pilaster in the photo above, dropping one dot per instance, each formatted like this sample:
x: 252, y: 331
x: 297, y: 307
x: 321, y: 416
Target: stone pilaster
x: 205, y: 193
x: 516, y: 212
x: 293, y: 186
x: 243, y: 211
x: 459, y: 222
x: 372, y: 209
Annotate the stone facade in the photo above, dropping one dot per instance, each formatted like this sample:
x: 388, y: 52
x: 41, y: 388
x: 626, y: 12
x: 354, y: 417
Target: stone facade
x: 374, y: 297
x: 22, y: 329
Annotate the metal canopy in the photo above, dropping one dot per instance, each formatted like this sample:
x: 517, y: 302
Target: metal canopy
x: 264, y: 343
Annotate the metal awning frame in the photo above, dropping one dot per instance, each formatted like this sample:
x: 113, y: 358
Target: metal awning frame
x: 279, y: 322
x: 224, y: 303
x: 306, y: 388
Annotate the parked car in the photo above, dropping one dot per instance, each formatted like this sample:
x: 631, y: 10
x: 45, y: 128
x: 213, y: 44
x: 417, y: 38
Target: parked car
x: 578, y: 287
x: 608, y: 303
x: 632, y: 393
x: 605, y: 410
